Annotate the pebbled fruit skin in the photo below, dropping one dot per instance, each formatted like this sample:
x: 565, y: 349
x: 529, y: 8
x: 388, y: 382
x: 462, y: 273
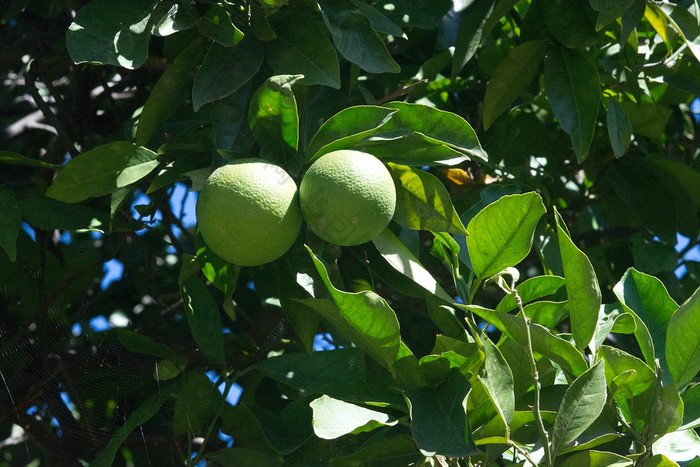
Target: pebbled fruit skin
x: 347, y: 197
x: 248, y: 212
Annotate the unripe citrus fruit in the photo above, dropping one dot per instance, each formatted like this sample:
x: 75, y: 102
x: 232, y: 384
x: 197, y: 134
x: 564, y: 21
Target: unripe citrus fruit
x: 347, y: 197
x: 248, y: 212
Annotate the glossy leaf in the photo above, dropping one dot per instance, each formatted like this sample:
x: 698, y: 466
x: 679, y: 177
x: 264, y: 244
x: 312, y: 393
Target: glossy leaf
x: 681, y: 447
x: 10, y: 223
x: 9, y: 157
x: 114, y: 32
x: 619, y: 128
x: 196, y: 403
x: 202, y: 313
x: 609, y: 10
x: 216, y: 24
x: 422, y: 201
x: 513, y: 75
x: 397, y: 450
x: 302, y: 48
x: 532, y: 289
x: 683, y: 341
x: 617, y: 362
x: 691, y: 407
x: 471, y: 26
x: 138, y: 417
x: 225, y: 70
x: 333, y: 418
x: 168, y: 93
x: 273, y: 117
x: 363, y: 317
x: 438, y: 417
x: 544, y: 342
x: 573, y: 90
x: 401, y: 259
x: 498, y: 380
x: 571, y: 23
x: 686, y: 25
x: 581, y: 405
x: 594, y: 458
x: 500, y: 236
x: 346, y: 128
x: 379, y: 22
x: 355, y: 38
x: 648, y: 298
x: 581, y: 287
x: 102, y: 170
x: 287, y: 429
x: 434, y: 126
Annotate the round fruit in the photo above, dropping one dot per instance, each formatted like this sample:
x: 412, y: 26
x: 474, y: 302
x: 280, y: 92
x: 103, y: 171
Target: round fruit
x: 347, y: 197
x: 248, y: 212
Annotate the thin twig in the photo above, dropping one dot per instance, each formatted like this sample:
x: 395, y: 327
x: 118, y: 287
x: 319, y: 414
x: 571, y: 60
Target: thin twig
x: 538, y: 386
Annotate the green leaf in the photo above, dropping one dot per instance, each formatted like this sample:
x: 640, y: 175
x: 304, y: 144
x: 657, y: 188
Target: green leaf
x: 49, y: 214
x: 197, y: 401
x: 583, y: 402
x: 571, y: 23
x: 168, y: 93
x: 101, y: 171
x: 10, y: 223
x: 333, y: 418
x: 439, y: 418
x: 691, y: 407
x: 609, y: 10
x: 680, y: 447
x: 170, y: 368
x: 501, y: 234
x: 216, y: 24
x: 573, y: 90
x: 225, y: 70
x: 302, y: 48
x: 316, y: 371
x: 273, y: 117
x: 430, y: 127
x: 631, y: 19
x: 532, y: 289
x: 683, y: 341
x: 497, y: 378
x: 513, y: 75
x: 617, y: 362
x: 686, y: 25
x: 548, y: 314
x: 363, y: 317
x: 180, y: 17
x: 346, y: 128
x: 619, y: 128
x: 286, y: 430
x: 647, y: 297
x: 422, y: 201
x: 401, y: 259
x: 594, y: 458
x: 9, y: 157
x: 421, y: 14
x: 473, y: 19
x: 202, y: 312
x: 397, y: 450
x: 114, y: 32
x: 558, y: 350
x: 243, y: 457
x: 141, y: 343
x: 581, y: 287
x: 137, y: 418
x: 379, y: 22
x: 355, y: 38
x: 665, y: 411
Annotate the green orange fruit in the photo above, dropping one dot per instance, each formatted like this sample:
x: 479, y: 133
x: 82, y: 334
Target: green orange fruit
x: 347, y: 197
x: 248, y: 212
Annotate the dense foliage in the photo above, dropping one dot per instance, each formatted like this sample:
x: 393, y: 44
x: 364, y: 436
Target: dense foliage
x: 534, y: 300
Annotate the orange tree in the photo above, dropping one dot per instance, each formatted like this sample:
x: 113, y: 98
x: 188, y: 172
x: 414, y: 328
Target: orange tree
x: 534, y: 299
